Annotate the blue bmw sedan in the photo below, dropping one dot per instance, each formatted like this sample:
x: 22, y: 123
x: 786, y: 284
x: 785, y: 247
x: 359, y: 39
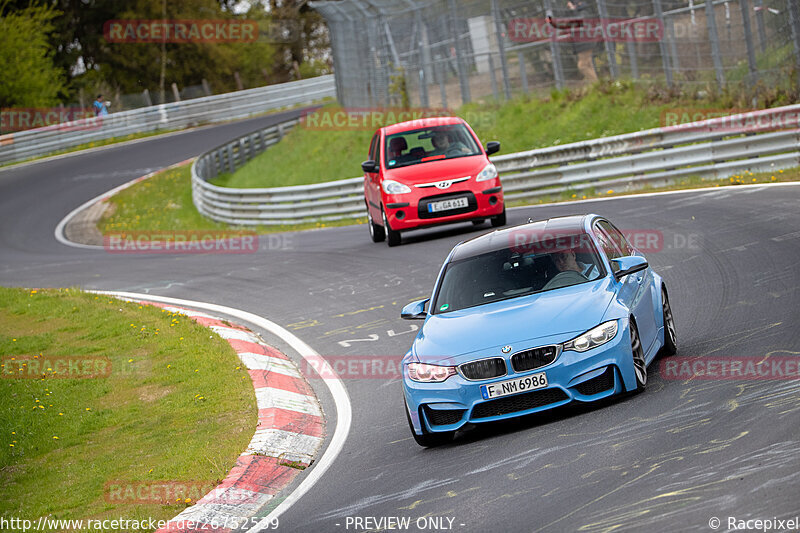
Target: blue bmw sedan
x: 530, y: 318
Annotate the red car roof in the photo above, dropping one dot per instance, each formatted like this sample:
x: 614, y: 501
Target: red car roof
x: 421, y: 123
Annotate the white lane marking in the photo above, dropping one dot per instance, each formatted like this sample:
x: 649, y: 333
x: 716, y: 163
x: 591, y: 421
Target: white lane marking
x: 284, y: 444
x: 344, y: 412
x: 59, y: 231
x: 257, y: 361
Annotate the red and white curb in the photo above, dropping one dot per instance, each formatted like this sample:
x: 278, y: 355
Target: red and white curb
x: 254, y: 469
x: 290, y: 430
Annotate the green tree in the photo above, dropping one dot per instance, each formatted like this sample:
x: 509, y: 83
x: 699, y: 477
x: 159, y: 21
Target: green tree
x: 28, y: 76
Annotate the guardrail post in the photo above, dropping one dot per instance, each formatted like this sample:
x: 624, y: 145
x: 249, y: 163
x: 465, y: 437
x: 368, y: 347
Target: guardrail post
x: 498, y: 32
x: 231, y: 163
x: 673, y: 48
x: 748, y: 39
x: 462, y: 75
x: 794, y: 21
x: 713, y: 37
x: 522, y: 74
x: 758, y: 6
x: 662, y: 47
x: 611, y: 48
x: 175, y: 92
x: 633, y: 58
x: 442, y: 70
x: 422, y: 53
x: 493, y: 78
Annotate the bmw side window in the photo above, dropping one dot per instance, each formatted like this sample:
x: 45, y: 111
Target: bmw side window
x: 617, y: 236
x: 607, y: 243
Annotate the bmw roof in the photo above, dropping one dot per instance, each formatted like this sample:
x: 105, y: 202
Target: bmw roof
x: 507, y: 237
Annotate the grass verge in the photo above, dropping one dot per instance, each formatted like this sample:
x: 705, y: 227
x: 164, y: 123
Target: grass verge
x: 176, y: 406
x: 164, y: 203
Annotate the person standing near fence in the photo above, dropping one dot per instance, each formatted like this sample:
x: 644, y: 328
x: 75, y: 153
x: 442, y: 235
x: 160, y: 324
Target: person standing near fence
x: 100, y: 106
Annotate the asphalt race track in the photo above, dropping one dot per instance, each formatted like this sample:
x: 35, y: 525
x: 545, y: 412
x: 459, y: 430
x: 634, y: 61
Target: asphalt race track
x: 672, y: 458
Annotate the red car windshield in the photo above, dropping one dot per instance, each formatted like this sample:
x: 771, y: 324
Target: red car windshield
x: 429, y: 144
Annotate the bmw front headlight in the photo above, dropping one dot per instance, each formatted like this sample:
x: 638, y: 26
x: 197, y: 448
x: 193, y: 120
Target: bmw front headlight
x: 489, y: 172
x: 425, y: 373
x: 394, y: 187
x: 593, y: 338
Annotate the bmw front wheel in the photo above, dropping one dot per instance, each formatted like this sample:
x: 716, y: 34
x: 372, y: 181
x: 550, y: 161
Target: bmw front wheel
x: 670, y: 338
x: 639, y: 364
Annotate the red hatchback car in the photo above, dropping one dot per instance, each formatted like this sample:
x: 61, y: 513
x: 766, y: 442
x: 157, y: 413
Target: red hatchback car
x: 428, y: 172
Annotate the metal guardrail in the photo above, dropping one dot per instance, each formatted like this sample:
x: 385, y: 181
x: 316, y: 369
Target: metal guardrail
x: 715, y: 148
x: 26, y: 144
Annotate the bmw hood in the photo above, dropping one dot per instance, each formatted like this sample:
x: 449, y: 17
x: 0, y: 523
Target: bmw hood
x: 553, y: 316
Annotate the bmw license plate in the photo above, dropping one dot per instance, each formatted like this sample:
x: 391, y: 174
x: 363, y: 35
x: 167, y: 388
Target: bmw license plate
x: 513, y: 386
x: 446, y: 205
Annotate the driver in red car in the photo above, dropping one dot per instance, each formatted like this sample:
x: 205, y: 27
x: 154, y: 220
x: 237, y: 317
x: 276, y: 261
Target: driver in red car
x: 443, y: 146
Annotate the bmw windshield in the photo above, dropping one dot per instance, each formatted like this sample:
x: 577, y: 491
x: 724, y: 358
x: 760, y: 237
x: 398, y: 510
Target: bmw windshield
x: 517, y: 271
x: 429, y: 144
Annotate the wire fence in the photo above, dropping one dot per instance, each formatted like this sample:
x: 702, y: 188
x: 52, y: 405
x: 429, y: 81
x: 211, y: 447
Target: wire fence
x: 442, y: 53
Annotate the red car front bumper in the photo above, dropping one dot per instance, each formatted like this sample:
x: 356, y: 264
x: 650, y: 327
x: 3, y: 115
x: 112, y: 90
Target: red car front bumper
x: 405, y: 212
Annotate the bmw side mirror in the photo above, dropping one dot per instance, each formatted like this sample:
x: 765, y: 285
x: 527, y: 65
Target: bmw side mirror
x: 415, y: 310
x: 492, y: 147
x: 369, y: 166
x: 623, y: 266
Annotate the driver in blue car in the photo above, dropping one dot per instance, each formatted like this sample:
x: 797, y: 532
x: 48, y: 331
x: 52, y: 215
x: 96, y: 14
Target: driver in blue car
x: 565, y: 261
